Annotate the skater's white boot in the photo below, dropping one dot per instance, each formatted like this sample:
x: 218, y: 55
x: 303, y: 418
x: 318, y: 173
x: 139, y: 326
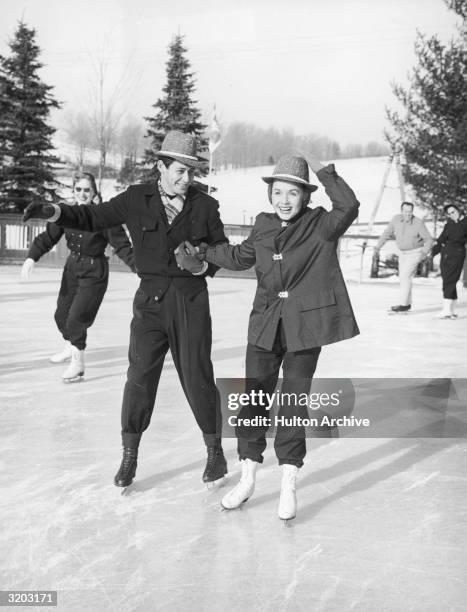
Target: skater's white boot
x: 63, y: 355
x: 288, y: 499
x: 245, y: 488
x: 75, y: 371
x: 448, y: 310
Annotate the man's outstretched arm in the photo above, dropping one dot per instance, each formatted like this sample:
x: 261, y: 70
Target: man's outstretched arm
x: 88, y: 217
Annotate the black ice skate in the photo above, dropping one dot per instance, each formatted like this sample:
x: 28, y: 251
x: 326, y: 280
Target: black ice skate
x: 399, y: 309
x: 126, y: 473
x: 216, y: 465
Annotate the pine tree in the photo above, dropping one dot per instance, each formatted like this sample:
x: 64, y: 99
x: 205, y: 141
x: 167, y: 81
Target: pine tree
x: 27, y: 162
x: 175, y: 110
x: 432, y: 133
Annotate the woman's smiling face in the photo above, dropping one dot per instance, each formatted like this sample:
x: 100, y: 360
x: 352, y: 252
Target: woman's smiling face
x: 83, y: 191
x: 286, y: 199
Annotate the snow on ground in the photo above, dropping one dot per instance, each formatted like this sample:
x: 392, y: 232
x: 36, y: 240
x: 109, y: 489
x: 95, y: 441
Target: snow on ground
x: 381, y: 522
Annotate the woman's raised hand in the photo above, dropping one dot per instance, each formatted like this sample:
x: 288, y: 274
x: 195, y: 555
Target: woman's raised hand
x: 311, y: 160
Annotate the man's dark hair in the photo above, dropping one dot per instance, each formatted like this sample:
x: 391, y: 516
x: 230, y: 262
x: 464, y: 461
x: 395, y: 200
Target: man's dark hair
x: 167, y: 161
x: 407, y: 204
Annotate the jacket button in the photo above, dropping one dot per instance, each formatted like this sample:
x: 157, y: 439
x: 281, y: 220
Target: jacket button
x: 156, y: 299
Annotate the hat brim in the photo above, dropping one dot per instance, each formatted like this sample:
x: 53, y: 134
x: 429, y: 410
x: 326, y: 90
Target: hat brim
x: 290, y: 179
x: 199, y: 162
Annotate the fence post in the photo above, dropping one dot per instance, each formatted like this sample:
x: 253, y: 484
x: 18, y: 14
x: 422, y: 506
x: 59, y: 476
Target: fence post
x: 2, y: 238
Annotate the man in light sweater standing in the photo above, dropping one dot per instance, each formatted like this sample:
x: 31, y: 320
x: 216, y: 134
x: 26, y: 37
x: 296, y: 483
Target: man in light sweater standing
x: 414, y: 243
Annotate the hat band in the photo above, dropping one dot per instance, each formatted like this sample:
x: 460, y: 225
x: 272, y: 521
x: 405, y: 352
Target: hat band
x: 289, y: 176
x: 174, y: 153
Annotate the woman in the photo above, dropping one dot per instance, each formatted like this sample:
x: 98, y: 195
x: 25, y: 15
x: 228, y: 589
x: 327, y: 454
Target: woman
x: 451, y: 245
x: 85, y: 275
x: 301, y: 304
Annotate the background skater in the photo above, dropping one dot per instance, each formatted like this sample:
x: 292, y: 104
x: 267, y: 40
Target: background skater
x: 451, y: 244
x: 171, y: 306
x: 414, y: 243
x: 85, y: 275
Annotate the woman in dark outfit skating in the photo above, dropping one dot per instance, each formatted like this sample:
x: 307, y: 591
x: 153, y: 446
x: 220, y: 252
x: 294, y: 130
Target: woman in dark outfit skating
x: 85, y: 276
x: 451, y: 244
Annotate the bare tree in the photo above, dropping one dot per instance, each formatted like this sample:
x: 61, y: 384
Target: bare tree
x: 107, y: 109
x: 79, y: 133
x: 130, y: 140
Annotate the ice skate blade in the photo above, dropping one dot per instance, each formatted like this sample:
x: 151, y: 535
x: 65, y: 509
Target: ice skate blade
x: 75, y: 379
x: 214, y: 484
x: 444, y: 317
x: 286, y: 522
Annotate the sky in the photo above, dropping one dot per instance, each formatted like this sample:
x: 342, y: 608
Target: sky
x: 316, y: 67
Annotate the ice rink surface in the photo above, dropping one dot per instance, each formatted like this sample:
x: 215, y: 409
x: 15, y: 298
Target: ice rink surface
x: 381, y: 523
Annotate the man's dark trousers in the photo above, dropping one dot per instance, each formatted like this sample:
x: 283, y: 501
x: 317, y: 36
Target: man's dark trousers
x: 183, y: 324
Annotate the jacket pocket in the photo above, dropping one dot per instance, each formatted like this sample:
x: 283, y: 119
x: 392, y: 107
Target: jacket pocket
x: 321, y: 299
x: 150, y: 238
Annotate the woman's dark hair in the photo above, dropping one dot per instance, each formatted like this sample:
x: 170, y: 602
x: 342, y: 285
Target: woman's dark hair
x: 448, y: 206
x: 89, y: 177
x: 306, y: 193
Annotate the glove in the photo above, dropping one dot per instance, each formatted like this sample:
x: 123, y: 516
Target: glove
x: 27, y: 269
x: 37, y: 210
x: 187, y: 258
x: 201, y: 251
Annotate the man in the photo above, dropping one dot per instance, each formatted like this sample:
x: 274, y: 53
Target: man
x: 171, y: 306
x: 414, y: 243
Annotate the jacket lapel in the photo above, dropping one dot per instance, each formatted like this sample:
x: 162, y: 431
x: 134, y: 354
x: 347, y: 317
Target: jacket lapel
x: 155, y: 211
x: 187, y: 207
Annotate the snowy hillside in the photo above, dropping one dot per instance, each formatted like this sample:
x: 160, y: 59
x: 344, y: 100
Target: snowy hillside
x: 242, y: 194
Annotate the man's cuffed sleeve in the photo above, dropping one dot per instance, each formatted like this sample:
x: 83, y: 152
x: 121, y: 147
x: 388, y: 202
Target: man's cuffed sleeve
x: 203, y: 270
x: 388, y: 234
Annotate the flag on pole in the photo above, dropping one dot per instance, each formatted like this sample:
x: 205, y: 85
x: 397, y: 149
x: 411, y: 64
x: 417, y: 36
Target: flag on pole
x: 214, y: 133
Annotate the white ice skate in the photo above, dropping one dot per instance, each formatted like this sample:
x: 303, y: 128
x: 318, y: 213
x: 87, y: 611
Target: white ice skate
x: 448, y: 310
x: 288, y: 499
x: 75, y: 371
x: 245, y: 488
x: 63, y: 355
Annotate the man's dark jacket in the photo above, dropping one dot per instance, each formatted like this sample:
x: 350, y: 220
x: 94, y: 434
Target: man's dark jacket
x: 299, y: 277
x: 154, y: 240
